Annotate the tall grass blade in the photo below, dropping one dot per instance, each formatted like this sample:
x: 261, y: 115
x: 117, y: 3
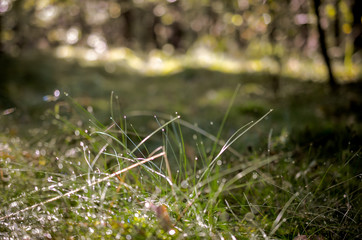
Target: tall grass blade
x: 277, y: 223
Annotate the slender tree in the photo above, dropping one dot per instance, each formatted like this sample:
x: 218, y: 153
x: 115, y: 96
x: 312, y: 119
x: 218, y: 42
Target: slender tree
x: 323, y: 46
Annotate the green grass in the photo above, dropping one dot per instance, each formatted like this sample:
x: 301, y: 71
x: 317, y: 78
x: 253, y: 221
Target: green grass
x: 297, y: 171
x: 59, y: 185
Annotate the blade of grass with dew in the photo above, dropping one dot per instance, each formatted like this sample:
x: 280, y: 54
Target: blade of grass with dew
x: 166, y: 139
x: 125, y: 135
x: 183, y: 151
x: 84, y: 111
x: 168, y: 170
x: 172, y: 136
x: 224, y: 121
x: 277, y: 223
x: 113, y: 117
x: 320, y: 183
x: 139, y: 138
x: 231, y: 140
x: 154, y: 132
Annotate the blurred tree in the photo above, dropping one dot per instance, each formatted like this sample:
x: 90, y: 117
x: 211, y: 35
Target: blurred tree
x: 357, y: 24
x: 323, y: 45
x: 256, y: 29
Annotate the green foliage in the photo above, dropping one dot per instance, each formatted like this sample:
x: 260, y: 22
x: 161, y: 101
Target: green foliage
x: 302, y: 177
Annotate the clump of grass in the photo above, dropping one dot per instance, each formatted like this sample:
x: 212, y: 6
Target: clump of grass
x: 174, y: 181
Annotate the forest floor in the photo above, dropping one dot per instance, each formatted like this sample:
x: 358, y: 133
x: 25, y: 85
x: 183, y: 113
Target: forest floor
x: 295, y: 173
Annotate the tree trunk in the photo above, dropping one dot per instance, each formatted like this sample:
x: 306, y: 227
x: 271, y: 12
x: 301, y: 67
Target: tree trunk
x: 323, y: 46
x: 337, y: 34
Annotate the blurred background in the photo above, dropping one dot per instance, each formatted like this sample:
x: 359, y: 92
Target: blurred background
x: 177, y: 55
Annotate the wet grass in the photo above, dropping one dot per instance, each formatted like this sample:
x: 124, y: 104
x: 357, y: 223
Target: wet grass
x: 296, y: 172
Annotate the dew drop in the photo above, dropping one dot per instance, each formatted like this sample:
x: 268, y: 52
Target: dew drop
x: 219, y: 162
x: 56, y: 93
x: 184, y: 184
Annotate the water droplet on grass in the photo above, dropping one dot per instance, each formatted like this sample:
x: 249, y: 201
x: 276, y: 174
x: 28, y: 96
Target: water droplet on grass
x: 184, y: 184
x: 56, y: 93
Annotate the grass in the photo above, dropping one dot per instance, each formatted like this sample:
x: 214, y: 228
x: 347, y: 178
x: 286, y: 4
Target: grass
x: 297, y: 171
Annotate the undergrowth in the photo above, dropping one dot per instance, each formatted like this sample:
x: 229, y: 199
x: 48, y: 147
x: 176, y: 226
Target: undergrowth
x: 169, y: 180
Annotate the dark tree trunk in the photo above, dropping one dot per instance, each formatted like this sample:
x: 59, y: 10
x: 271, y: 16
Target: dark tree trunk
x: 337, y: 34
x: 128, y: 27
x: 156, y: 20
x: 323, y: 46
x: 357, y: 24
